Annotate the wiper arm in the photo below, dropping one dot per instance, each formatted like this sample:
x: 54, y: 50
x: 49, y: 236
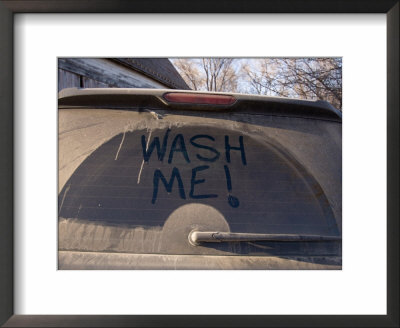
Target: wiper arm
x: 198, y: 237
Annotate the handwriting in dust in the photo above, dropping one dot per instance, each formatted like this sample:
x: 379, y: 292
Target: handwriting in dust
x: 178, y: 145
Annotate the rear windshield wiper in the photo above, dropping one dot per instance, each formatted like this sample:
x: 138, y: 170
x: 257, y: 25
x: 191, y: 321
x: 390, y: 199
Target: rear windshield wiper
x: 198, y: 237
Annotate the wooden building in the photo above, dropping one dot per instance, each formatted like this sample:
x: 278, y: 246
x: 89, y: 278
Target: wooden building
x: 156, y: 73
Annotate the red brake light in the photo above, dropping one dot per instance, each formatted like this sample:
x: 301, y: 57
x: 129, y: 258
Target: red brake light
x: 198, y: 98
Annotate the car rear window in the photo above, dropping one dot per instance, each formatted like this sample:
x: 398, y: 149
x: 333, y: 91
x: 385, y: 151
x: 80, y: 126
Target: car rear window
x: 145, y: 189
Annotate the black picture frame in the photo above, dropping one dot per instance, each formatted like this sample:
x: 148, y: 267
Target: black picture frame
x: 10, y: 7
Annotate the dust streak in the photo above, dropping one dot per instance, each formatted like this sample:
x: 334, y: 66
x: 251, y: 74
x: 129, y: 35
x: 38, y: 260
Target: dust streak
x: 120, y: 145
x: 65, y: 194
x: 141, y: 166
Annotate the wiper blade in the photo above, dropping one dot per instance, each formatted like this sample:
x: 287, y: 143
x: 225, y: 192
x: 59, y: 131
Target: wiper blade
x: 198, y: 237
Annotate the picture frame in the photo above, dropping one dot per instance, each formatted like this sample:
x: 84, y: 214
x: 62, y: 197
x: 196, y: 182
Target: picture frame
x: 7, y: 10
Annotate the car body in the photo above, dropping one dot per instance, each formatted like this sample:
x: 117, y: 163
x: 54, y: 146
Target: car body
x: 173, y: 179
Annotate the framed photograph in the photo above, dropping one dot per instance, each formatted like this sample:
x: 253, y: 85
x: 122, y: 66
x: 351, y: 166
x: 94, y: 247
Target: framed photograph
x: 135, y: 187
x: 210, y: 166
